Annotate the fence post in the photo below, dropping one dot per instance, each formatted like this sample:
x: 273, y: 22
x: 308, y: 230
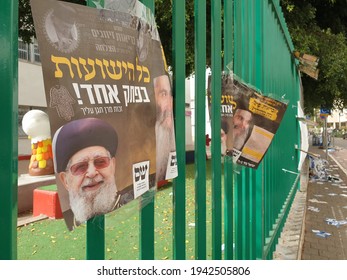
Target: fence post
x: 216, y: 50
x: 200, y: 120
x: 228, y: 162
x: 9, y: 124
x: 258, y: 186
x: 179, y: 202
x: 147, y: 210
x: 95, y: 247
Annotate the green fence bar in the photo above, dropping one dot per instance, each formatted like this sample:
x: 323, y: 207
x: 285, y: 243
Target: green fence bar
x: 251, y: 206
x: 259, y: 213
x: 258, y: 209
x: 96, y: 238
x: 263, y: 59
x: 246, y: 215
x: 179, y: 75
x: 147, y: 211
x: 95, y: 243
x: 249, y: 78
x: 228, y: 163
x: 247, y: 69
x: 9, y: 122
x: 256, y: 47
x: 216, y: 50
x: 238, y: 66
x: 200, y: 120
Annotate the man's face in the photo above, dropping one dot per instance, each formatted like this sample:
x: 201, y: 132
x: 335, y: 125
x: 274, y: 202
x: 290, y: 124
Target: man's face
x: 162, y: 90
x: 241, y: 121
x: 63, y: 27
x: 90, y: 181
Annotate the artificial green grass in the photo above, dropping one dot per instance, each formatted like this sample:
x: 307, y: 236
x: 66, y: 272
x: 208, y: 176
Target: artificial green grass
x: 49, y: 188
x: 50, y: 239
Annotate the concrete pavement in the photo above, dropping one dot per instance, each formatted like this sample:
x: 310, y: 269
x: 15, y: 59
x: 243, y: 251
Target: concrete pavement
x: 325, y: 234
x: 316, y: 228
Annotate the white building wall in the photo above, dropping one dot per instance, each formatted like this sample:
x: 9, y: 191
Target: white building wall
x: 338, y: 118
x: 31, y: 90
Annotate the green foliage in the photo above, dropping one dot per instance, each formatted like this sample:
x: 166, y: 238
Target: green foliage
x: 25, y: 21
x: 314, y: 32
x: 163, y: 13
x: 26, y: 30
x: 317, y: 27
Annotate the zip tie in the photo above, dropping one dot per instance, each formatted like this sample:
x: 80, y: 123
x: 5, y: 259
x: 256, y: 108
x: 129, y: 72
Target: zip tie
x: 285, y: 170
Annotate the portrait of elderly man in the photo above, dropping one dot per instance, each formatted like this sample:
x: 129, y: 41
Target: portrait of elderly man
x: 61, y: 28
x: 242, y: 125
x: 164, y: 127
x: 85, y: 161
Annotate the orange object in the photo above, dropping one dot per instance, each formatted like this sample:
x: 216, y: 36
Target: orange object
x: 47, y: 203
x: 162, y: 183
x: 45, y: 155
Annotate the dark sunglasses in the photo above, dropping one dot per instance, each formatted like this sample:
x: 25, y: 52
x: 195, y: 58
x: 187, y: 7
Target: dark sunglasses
x: 81, y: 168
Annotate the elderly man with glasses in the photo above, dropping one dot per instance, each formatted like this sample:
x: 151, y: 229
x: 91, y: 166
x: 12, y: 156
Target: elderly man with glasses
x: 84, y: 158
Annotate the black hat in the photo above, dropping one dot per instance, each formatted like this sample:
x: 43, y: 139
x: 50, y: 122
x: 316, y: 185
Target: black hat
x: 80, y: 134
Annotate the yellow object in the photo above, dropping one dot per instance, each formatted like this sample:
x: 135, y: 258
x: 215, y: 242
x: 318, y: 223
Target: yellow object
x: 39, y: 157
x: 42, y: 163
x: 41, y: 152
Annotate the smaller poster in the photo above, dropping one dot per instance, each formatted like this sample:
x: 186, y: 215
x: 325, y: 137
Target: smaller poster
x: 249, y: 121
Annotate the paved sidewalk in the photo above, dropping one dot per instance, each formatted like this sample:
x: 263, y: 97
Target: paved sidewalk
x: 325, y: 228
x: 290, y: 242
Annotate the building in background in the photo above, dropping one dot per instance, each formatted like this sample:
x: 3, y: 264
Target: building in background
x: 338, y: 119
x: 31, y: 94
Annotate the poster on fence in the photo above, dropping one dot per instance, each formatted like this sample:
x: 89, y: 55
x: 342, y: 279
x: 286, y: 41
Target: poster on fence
x: 249, y: 121
x: 108, y: 94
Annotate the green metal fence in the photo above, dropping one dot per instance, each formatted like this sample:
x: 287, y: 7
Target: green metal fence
x: 249, y: 207
x: 263, y: 58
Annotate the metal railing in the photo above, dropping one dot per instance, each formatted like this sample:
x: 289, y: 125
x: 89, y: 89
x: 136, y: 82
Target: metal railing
x: 249, y: 207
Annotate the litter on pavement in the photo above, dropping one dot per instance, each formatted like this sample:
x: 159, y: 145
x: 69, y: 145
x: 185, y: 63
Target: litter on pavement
x: 320, y: 233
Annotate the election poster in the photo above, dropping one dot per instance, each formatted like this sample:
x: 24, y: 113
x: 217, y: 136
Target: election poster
x: 249, y: 121
x: 108, y: 94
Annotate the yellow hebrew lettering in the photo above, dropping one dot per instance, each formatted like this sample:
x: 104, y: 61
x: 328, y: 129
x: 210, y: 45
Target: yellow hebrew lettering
x: 99, y: 62
x: 61, y: 60
x: 262, y: 109
x: 125, y: 66
x: 131, y: 71
x: 75, y: 61
x: 113, y: 75
x: 145, y: 69
x: 138, y: 69
x: 90, y: 73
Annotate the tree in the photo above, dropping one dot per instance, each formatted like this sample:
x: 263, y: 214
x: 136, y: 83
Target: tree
x: 163, y: 13
x: 26, y: 29
x: 163, y: 9
x: 319, y: 27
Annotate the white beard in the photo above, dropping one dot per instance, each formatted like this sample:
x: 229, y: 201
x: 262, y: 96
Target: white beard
x: 239, y: 140
x: 87, y: 205
x: 165, y: 144
x: 223, y: 148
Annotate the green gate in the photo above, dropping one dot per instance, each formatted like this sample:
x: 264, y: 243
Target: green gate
x: 249, y: 207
